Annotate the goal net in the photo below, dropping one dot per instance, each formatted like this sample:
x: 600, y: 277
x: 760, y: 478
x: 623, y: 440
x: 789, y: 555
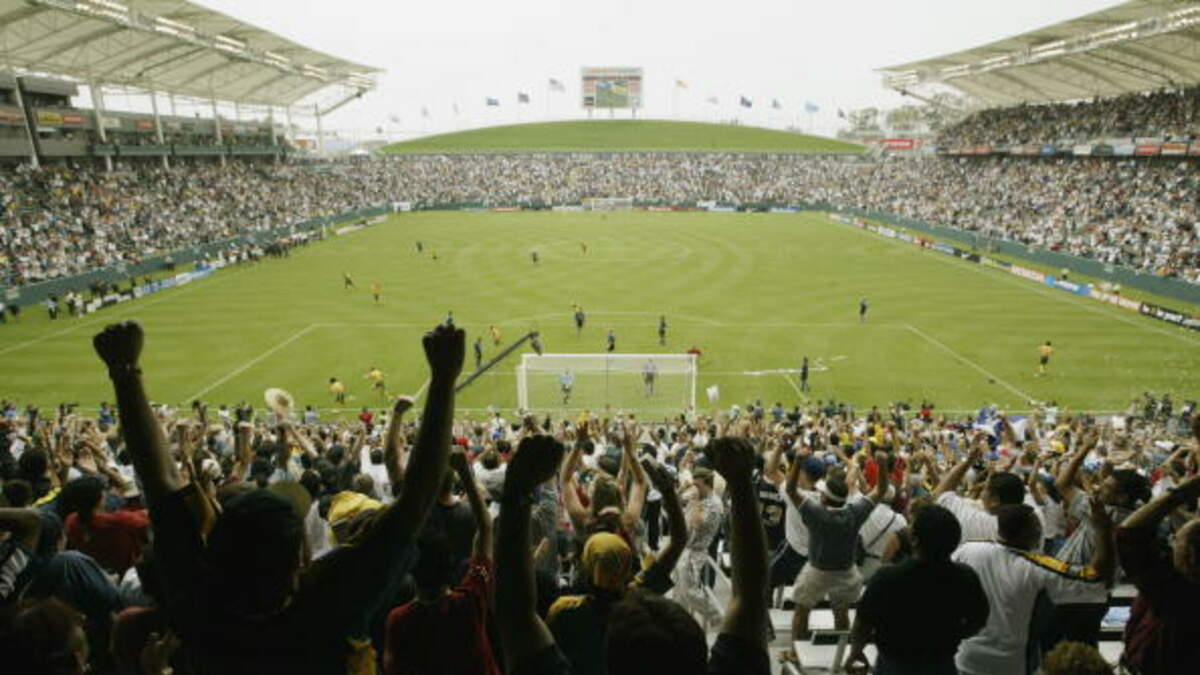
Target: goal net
x: 608, y: 204
x: 647, y: 382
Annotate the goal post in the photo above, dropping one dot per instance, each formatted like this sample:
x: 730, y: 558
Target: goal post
x: 647, y: 382
x: 608, y: 204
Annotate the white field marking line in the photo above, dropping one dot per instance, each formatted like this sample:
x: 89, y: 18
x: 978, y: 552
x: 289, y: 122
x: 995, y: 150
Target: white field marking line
x: 714, y: 324
x: 794, y: 385
x: 962, y: 359
x: 250, y: 364
x: 421, y: 391
x: 569, y: 317
x: 100, y: 319
x: 1081, y: 303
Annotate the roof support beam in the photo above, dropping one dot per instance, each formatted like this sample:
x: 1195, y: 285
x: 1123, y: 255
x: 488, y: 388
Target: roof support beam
x: 1069, y: 62
x: 82, y: 41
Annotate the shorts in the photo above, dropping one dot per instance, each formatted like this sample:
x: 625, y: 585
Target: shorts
x: 842, y: 587
x: 1045, y: 360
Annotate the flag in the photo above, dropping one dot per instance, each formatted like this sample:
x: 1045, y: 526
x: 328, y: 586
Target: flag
x: 424, y: 112
x: 810, y: 107
x: 394, y: 119
x: 775, y: 104
x: 455, y: 106
x: 522, y: 97
x: 379, y: 131
x: 680, y: 84
x: 712, y: 99
x: 841, y: 113
x: 492, y: 101
x: 745, y: 102
x: 555, y: 85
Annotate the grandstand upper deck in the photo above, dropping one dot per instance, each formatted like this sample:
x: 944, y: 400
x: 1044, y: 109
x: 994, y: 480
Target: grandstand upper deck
x: 1132, y: 47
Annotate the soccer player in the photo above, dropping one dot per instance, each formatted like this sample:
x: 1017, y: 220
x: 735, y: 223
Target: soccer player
x: 375, y: 375
x: 583, y: 247
x: 338, y: 390
x: 534, y: 256
x: 579, y: 319
x: 566, y: 382
x: 862, y: 310
x: 649, y: 374
x: 1044, y: 353
x: 347, y: 280
x: 612, y: 341
x: 478, y: 352
x: 804, y: 374
x: 662, y: 329
x: 376, y: 289
x: 420, y: 247
x: 494, y: 332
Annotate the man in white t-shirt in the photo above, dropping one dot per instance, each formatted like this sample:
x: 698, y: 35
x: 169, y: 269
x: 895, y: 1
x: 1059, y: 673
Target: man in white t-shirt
x: 978, y: 521
x: 1012, y: 576
x: 883, y: 521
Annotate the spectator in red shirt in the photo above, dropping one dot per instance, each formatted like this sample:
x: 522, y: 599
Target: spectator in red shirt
x: 426, y: 636
x: 367, y: 418
x: 114, y: 539
x: 1163, y: 633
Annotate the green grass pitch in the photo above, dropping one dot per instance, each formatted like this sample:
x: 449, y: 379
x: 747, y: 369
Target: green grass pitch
x: 755, y: 291
x: 623, y: 136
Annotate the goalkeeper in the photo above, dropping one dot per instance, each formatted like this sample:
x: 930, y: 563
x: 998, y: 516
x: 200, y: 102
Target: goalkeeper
x: 566, y: 382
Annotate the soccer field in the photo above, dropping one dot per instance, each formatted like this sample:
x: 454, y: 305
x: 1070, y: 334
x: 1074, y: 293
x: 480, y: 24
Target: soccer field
x: 756, y: 292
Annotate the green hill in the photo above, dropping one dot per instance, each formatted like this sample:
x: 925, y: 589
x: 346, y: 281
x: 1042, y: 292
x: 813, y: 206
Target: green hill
x: 621, y: 136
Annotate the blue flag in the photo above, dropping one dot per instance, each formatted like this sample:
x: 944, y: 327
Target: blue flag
x: 746, y: 103
x: 493, y: 101
x: 811, y: 108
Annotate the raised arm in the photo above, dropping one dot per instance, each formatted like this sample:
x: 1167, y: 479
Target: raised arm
x: 637, y: 494
x: 482, y: 545
x: 746, y: 614
x: 427, y: 466
x: 120, y: 347
x: 676, y: 522
x: 881, y: 485
x: 1065, y: 482
x: 954, y: 476
x: 570, y: 495
x: 794, y: 479
x: 772, y: 472
x: 523, y: 633
x: 393, y: 443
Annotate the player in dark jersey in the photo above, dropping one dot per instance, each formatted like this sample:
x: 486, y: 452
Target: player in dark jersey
x: 580, y: 317
x: 662, y: 329
x: 347, y: 280
x: 478, y: 352
x: 862, y: 310
x: 804, y: 374
x: 534, y: 256
x: 612, y: 341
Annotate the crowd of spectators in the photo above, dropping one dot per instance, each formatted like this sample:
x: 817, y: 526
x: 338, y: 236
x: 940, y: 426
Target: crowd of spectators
x: 143, y: 539
x: 1166, y: 113
x: 61, y: 221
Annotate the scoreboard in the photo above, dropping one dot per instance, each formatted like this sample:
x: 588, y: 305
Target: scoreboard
x: 612, y: 88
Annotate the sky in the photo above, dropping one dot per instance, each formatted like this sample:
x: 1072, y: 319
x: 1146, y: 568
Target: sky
x: 445, y: 53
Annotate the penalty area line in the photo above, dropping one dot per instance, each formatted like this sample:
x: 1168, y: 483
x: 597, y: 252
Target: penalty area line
x: 250, y: 364
x: 968, y: 362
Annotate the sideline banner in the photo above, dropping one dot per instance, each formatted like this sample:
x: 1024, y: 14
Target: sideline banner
x: 1169, y: 315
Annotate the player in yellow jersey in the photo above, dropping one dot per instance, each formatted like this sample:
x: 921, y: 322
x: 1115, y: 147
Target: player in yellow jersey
x: 376, y: 290
x: 338, y: 390
x: 583, y: 246
x: 375, y: 375
x: 494, y: 332
x: 1044, y: 353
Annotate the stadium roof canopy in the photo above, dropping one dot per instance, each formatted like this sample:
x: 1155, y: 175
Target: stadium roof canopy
x: 169, y: 46
x: 1134, y: 46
